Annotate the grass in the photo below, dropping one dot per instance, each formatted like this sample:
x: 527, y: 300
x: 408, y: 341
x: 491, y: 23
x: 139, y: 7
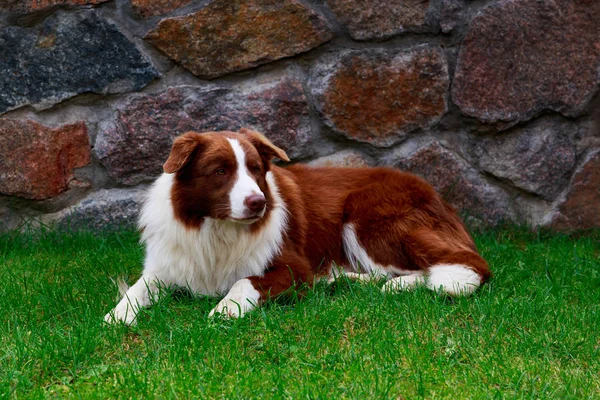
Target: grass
x: 533, y: 332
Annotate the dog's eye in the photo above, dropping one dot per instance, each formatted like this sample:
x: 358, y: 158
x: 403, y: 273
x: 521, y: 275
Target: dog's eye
x: 220, y: 171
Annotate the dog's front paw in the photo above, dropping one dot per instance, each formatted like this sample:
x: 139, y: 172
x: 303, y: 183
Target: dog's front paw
x: 241, y: 298
x: 120, y: 315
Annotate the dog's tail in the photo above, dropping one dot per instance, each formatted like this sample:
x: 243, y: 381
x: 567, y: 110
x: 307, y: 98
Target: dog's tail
x: 122, y: 287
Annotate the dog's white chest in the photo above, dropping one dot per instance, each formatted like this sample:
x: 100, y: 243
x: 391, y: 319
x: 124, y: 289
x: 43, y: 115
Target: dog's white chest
x: 209, y: 260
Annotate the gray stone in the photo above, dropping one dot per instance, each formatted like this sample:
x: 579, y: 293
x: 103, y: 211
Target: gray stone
x: 8, y: 218
x: 104, y: 209
x: 381, y: 19
x: 134, y: 146
x: 452, y: 15
x: 30, y: 6
x: 538, y: 158
x: 66, y: 55
x: 458, y: 182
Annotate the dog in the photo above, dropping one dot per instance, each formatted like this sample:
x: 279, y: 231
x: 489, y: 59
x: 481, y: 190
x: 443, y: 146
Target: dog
x: 223, y: 219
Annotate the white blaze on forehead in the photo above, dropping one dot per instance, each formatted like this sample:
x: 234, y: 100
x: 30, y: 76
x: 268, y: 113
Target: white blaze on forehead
x: 244, y: 185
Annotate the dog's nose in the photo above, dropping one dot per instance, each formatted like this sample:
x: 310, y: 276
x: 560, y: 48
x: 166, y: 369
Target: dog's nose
x: 255, y: 202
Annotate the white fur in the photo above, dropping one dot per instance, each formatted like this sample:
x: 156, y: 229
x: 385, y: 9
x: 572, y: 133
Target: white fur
x: 244, y: 185
x: 242, y: 298
x: 360, y: 260
x: 453, y: 279
x: 207, y: 261
x: 138, y: 296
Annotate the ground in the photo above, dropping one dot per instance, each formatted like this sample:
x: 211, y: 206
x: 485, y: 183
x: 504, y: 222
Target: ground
x: 533, y: 331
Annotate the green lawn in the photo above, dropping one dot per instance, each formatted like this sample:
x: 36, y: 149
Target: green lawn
x: 532, y: 332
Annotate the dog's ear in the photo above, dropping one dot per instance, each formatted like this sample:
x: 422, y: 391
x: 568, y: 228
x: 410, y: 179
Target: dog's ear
x: 264, y: 145
x: 182, y: 152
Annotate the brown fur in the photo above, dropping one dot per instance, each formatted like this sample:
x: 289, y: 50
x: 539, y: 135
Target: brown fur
x: 399, y: 218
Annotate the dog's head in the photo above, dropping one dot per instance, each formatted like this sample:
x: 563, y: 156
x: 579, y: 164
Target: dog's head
x: 221, y: 175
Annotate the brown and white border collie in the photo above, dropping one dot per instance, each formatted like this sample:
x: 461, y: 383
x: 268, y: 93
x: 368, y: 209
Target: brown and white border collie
x: 223, y: 220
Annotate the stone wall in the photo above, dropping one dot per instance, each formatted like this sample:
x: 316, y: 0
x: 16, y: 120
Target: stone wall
x: 494, y: 102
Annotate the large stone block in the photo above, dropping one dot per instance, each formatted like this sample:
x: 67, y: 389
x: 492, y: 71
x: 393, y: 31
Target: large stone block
x: 134, y: 146
x: 380, y: 19
x: 581, y: 206
x: 104, y: 209
x: 458, y: 182
x: 523, y: 56
x: 379, y: 96
x: 233, y: 35
x: 37, y: 161
x: 66, y: 55
x: 538, y: 158
x: 149, y: 8
x: 27, y: 6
